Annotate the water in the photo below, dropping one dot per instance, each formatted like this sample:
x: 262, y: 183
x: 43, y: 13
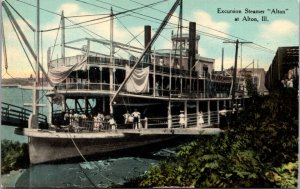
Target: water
x: 103, y: 172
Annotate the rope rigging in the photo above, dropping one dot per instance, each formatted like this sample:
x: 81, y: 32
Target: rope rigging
x: 54, y: 41
x: 20, y: 41
x: 6, y: 62
x: 151, y: 6
x: 129, y: 32
x: 26, y: 22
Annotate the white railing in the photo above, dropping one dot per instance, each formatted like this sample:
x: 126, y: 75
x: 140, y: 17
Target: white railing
x: 88, y: 125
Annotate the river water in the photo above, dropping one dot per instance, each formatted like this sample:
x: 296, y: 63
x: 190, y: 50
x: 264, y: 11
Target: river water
x: 102, y: 172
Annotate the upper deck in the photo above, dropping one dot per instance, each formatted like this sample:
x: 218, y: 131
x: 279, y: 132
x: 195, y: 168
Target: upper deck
x: 93, y: 76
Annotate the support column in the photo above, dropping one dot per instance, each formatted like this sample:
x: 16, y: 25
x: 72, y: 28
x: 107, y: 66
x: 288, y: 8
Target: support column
x: 76, y: 104
x: 103, y: 105
x: 185, y: 113
x: 208, y: 112
x: 88, y: 76
x: 154, y: 72
x: 180, y: 84
x: 218, y: 108
x: 50, y: 105
x: 101, y: 82
x: 162, y: 86
x: 63, y: 104
x: 85, y: 104
x: 197, y: 113
x: 169, y: 116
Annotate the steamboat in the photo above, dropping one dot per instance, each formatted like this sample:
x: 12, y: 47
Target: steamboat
x: 175, y: 92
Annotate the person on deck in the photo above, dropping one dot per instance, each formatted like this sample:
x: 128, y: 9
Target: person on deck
x: 182, y: 119
x: 157, y: 89
x: 112, y: 123
x: 223, y: 118
x: 76, y: 121
x: 96, y: 126
x: 67, y: 118
x: 136, y: 118
x: 71, y: 117
x: 126, y: 117
x: 234, y: 114
x: 200, y: 119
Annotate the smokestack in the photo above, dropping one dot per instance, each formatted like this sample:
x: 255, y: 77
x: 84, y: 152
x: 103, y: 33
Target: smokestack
x: 192, y: 44
x: 147, y: 35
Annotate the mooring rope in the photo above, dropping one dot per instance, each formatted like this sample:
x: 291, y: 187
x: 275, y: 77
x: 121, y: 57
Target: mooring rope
x: 82, y: 156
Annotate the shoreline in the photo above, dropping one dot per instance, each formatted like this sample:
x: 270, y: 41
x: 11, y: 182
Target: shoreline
x: 26, y: 87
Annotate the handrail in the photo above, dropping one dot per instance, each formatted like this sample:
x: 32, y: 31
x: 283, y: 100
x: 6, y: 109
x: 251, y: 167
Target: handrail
x: 9, y: 111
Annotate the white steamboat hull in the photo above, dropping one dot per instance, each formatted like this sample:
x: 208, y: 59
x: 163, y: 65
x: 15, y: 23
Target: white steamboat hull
x: 52, y: 149
x: 46, y: 146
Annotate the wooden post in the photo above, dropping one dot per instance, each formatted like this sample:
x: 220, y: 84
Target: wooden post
x: 185, y: 114
x: 197, y: 113
x: 208, y: 112
x: 146, y: 123
x: 169, y: 116
x: 218, y: 108
x: 63, y: 103
x: 101, y: 82
x: 154, y: 74
x: 50, y: 105
x: 85, y: 104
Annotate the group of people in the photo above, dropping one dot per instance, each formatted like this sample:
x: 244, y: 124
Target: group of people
x: 74, y: 119
x: 96, y: 122
x: 182, y: 119
x: 133, y: 118
x: 100, y: 121
x: 223, y: 117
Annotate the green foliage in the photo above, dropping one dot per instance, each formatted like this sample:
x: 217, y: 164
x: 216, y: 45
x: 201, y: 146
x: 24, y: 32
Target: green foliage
x: 256, y: 152
x: 284, y: 176
x: 14, y: 155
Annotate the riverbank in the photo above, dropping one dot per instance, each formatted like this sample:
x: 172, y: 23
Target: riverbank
x: 14, y: 156
x: 259, y: 150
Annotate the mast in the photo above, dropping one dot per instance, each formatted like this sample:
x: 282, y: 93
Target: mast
x: 38, y: 42
x: 111, y: 71
x: 35, y: 96
x: 234, y: 71
x: 222, y: 65
x: 180, y: 33
x: 33, y: 118
x: 63, y: 36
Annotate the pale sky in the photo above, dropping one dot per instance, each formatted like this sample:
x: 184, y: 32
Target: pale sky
x: 281, y: 29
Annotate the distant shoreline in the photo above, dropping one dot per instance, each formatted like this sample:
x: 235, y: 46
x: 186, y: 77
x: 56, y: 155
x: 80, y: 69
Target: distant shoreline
x: 23, y: 83
x: 27, y: 87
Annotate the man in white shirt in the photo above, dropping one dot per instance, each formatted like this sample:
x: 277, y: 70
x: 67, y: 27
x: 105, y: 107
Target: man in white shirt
x: 136, y: 118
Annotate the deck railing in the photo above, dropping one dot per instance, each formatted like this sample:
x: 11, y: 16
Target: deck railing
x: 159, y: 93
x: 18, y: 116
x: 90, y: 125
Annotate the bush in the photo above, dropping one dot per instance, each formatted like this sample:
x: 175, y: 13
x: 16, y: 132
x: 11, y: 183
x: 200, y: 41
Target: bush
x: 14, y: 156
x: 260, y: 150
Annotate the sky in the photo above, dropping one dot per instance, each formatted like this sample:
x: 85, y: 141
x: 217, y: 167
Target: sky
x: 217, y: 21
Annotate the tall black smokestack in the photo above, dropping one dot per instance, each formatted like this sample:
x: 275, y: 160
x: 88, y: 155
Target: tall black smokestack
x: 192, y: 44
x: 147, y: 37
